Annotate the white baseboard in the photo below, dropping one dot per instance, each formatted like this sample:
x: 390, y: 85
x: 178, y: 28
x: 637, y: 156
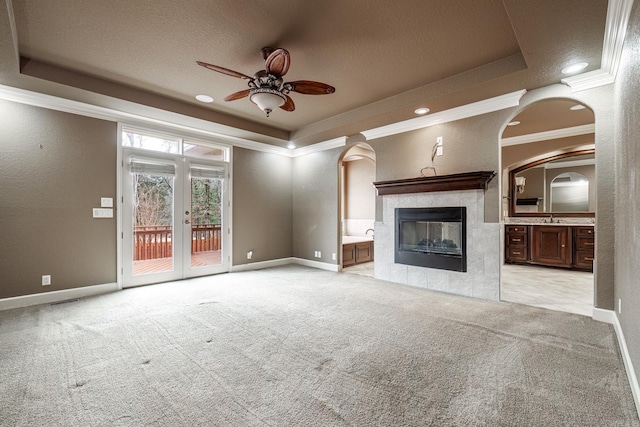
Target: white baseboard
x: 262, y: 264
x: 626, y: 358
x: 85, y: 291
x: 609, y: 316
x: 602, y: 315
x: 284, y: 261
x: 56, y: 296
x: 316, y: 264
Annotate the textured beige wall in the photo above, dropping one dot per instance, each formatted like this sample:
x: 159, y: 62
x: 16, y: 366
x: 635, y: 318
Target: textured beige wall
x: 468, y: 145
x: 262, y: 206
x: 54, y: 168
x: 627, y: 202
x: 360, y: 194
x: 315, y: 205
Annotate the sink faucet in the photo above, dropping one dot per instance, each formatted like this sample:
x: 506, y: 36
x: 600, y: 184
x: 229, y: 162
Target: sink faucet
x: 369, y: 230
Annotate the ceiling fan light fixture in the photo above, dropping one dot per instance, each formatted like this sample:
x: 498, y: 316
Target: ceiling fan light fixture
x: 574, y: 68
x: 267, y: 99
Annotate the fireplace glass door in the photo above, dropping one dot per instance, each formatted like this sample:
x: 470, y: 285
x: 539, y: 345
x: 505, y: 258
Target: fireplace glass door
x: 431, y: 237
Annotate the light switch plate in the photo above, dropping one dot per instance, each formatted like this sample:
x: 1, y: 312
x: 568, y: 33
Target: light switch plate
x: 106, y: 202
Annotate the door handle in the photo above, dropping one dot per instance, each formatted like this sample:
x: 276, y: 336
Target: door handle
x: 186, y: 212
x: 186, y: 221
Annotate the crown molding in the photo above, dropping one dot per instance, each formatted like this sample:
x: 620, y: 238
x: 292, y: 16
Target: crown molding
x: 320, y: 146
x: 37, y: 99
x: 465, y: 111
x: 549, y: 134
x: 618, y: 12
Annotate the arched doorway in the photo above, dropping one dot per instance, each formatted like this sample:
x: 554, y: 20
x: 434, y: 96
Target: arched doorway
x: 548, y: 257
x: 357, y: 209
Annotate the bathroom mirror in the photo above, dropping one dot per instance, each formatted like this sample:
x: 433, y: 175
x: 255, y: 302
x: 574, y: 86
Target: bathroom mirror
x: 562, y: 183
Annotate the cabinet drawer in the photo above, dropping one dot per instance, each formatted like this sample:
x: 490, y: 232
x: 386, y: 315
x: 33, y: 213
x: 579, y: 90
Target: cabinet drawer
x: 584, y: 243
x: 516, y: 229
x: 584, y: 231
x: 584, y: 260
x: 517, y: 239
x: 517, y: 254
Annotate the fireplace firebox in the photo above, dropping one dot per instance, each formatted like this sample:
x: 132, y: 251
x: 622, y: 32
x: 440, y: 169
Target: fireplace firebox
x: 431, y: 237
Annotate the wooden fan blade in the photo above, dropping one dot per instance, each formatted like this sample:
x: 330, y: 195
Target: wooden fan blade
x: 309, y: 87
x: 238, y: 95
x: 288, y: 104
x: 223, y: 70
x: 277, y: 63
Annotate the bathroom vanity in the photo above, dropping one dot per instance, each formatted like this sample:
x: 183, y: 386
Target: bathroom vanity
x: 356, y: 250
x: 554, y: 245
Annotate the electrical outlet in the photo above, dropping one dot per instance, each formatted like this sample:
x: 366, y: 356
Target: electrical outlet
x: 333, y: 256
x: 619, y: 306
x: 249, y: 254
x: 46, y: 280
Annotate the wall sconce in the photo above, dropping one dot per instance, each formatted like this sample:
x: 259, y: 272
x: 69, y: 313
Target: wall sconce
x: 520, y: 180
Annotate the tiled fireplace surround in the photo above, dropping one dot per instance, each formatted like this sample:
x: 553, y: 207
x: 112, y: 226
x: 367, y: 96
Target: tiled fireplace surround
x: 482, y: 279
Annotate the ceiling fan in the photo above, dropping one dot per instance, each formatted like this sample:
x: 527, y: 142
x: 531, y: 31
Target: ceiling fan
x: 267, y: 89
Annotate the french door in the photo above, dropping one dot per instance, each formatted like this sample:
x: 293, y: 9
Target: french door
x: 174, y: 217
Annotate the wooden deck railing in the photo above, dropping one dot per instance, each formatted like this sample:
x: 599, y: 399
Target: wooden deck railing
x: 205, y: 238
x: 155, y: 241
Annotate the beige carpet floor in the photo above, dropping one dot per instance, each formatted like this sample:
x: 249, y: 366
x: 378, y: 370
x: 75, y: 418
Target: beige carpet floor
x: 294, y: 346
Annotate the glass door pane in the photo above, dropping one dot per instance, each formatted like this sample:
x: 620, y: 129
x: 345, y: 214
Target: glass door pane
x: 153, y: 207
x: 151, y: 197
x: 206, y: 221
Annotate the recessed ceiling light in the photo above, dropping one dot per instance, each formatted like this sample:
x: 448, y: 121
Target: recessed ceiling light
x: 422, y: 110
x: 513, y: 123
x: 574, y: 68
x: 578, y: 107
x: 204, y: 98
x: 291, y: 146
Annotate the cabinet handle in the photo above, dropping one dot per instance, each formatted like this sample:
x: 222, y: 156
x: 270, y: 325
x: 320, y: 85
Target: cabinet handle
x: 562, y: 246
x: 588, y: 258
x: 516, y: 253
x: 516, y: 240
x: 588, y: 244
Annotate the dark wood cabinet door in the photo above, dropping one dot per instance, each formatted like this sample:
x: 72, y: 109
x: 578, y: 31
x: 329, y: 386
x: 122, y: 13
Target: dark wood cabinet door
x: 364, y: 252
x: 551, y: 245
x: 348, y: 254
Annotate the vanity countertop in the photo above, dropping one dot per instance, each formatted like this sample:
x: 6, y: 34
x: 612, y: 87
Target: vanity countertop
x: 571, y: 222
